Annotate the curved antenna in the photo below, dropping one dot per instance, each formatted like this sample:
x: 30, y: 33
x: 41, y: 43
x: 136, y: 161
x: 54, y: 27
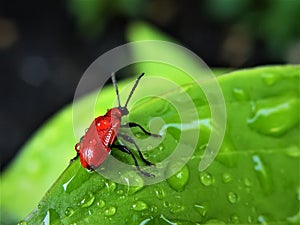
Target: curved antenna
x: 133, y: 88
x: 113, y: 79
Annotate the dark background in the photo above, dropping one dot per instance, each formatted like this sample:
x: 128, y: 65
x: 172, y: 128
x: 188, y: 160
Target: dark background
x: 45, y: 46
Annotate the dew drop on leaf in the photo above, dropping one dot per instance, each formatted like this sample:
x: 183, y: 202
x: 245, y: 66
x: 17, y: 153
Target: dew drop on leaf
x: 149, y: 147
x: 110, y: 211
x: 161, y: 147
x: 270, y: 78
x: 69, y: 211
x: 139, y: 206
x: 23, y: 222
x: 293, y: 151
x: 120, y: 192
x: 240, y: 94
x: 176, y: 207
x: 145, y: 221
x: 100, y: 203
x: 226, y: 177
x: 234, y: 219
x: 111, y: 186
x: 274, y: 117
x: 159, y: 193
x: 262, y: 173
x: 232, y: 197
x: 262, y: 219
x: 87, y: 200
x: 201, y: 208
x: 51, y: 217
x: 65, y: 185
x: 153, y: 209
x: 248, y: 182
x: 179, y: 179
x: 206, y: 178
x: 134, y: 182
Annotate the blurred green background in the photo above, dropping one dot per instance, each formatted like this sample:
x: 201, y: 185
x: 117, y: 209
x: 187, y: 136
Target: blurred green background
x: 45, y: 46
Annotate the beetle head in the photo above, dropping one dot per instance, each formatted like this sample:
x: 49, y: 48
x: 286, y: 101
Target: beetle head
x: 124, y: 111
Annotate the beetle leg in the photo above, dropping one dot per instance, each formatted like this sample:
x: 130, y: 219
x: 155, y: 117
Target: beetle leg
x: 130, y: 140
x: 76, y: 157
x: 133, y: 124
x: 123, y: 148
x: 90, y: 169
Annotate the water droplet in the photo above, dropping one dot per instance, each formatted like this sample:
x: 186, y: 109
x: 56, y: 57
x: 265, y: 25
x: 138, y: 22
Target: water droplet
x: 250, y: 219
x: 234, y: 219
x: 51, y: 217
x: 111, y: 186
x: 270, y: 78
x: 232, y: 197
x: 165, y: 220
x: 69, y: 211
x: 100, y: 203
x: 226, y: 177
x: 153, y: 209
x: 178, y: 180
x: 262, y: 174
x: 166, y: 204
x: 110, y: 211
x: 65, y: 185
x: 274, y: 117
x: 120, y: 192
x: 149, y: 147
x: 23, y: 222
x: 40, y: 206
x: 215, y: 222
x: 134, y: 182
x: 262, y: 220
x: 161, y: 147
x: 145, y: 221
x: 139, y: 206
x: 176, y: 207
x: 77, y: 180
x: 159, y: 193
x: 201, y: 208
x: 293, y: 151
x: 206, y: 178
x: 240, y: 94
x: 248, y: 182
x: 87, y: 200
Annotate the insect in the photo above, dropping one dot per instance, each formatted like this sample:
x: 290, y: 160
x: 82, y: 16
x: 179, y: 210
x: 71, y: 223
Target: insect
x: 102, y: 135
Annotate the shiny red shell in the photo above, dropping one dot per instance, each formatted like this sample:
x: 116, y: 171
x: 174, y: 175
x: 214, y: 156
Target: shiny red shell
x: 94, y: 146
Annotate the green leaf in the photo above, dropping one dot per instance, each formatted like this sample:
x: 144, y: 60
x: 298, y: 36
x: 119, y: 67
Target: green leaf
x: 254, y: 179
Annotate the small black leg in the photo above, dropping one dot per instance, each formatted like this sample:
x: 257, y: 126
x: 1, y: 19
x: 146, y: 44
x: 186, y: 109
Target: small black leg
x: 90, y: 169
x: 133, y: 124
x: 130, y: 140
x: 76, y: 157
x: 126, y: 150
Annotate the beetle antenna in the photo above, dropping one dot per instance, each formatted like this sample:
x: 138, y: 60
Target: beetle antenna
x: 113, y: 78
x: 133, y: 88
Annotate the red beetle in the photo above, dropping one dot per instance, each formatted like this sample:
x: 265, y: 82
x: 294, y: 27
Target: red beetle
x: 95, y: 146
